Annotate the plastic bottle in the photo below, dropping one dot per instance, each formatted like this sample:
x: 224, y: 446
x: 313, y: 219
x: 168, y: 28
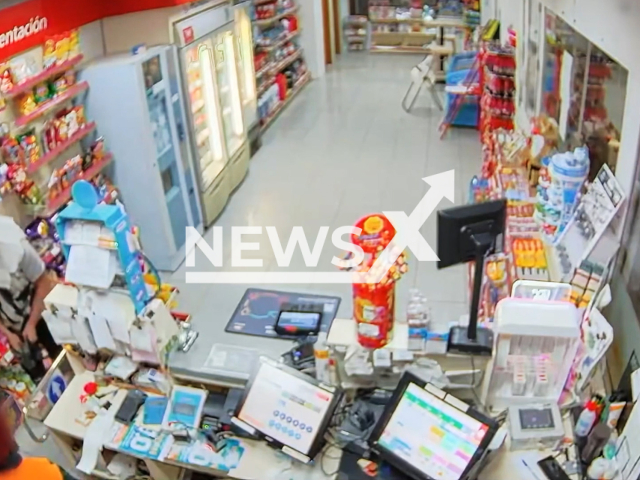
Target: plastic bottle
x: 321, y: 354
x: 586, y: 420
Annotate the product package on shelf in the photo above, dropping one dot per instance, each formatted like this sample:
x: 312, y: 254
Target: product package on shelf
x: 497, y: 103
x: 355, y: 32
x: 48, y: 121
x: 559, y: 183
x: 279, y: 64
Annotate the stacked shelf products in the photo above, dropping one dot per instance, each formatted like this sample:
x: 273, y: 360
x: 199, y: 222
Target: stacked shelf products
x: 279, y: 63
x: 355, y: 32
x: 46, y: 142
x: 398, y: 25
x: 497, y: 104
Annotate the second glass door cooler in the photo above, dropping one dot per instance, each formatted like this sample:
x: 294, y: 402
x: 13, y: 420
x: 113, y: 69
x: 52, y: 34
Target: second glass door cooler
x: 208, y: 59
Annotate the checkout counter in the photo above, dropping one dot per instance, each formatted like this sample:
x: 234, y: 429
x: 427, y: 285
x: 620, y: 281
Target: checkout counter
x: 259, y: 461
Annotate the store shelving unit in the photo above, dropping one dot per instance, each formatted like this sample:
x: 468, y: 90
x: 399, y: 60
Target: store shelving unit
x: 292, y: 93
x: 356, y: 32
x: 280, y: 68
x: 398, y: 26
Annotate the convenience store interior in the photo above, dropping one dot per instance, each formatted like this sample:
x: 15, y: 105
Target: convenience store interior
x: 292, y: 132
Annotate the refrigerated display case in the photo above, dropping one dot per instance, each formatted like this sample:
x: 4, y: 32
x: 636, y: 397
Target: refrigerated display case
x: 138, y: 103
x: 246, y: 68
x: 209, y: 63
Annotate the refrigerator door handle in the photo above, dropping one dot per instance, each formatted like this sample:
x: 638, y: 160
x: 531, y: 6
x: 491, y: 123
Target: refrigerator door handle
x: 180, y: 130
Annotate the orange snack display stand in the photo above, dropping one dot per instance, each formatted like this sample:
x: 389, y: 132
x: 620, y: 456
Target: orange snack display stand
x: 374, y: 303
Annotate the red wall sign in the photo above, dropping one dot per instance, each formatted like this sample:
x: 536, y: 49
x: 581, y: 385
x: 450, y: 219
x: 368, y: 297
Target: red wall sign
x: 29, y: 23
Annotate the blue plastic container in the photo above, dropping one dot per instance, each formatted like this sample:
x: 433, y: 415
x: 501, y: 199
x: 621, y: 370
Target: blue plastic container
x: 458, y: 72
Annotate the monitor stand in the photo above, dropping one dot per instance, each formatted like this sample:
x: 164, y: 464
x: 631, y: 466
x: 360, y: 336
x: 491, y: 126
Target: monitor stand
x: 472, y: 340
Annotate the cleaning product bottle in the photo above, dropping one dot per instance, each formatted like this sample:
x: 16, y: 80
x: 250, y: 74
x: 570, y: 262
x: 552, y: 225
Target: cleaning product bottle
x: 321, y: 354
x: 587, y: 419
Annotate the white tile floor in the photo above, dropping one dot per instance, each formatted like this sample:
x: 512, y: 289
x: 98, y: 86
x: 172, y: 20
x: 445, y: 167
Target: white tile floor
x: 345, y: 148
x: 342, y: 149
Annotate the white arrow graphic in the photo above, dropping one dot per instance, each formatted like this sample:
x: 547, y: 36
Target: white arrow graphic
x: 408, y: 227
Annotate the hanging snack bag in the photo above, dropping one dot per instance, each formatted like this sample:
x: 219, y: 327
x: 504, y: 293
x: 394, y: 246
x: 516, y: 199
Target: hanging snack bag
x: 74, y: 43
x: 26, y: 104
x: 29, y: 143
x: 62, y: 49
x: 49, y: 53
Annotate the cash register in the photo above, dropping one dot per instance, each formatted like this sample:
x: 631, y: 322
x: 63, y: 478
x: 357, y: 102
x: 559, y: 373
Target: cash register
x: 428, y: 434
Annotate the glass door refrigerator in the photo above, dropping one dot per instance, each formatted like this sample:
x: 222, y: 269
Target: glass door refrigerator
x: 137, y: 101
x: 248, y: 92
x: 208, y: 60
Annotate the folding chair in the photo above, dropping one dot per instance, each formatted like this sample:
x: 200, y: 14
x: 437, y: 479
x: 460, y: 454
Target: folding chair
x: 422, y: 74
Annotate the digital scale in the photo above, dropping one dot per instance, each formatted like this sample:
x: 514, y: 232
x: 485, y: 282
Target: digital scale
x: 533, y: 426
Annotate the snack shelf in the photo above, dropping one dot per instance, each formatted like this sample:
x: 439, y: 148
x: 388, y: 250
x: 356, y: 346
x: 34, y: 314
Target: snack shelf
x: 56, y: 152
x: 49, y: 105
x: 263, y: 70
x: 282, y: 64
x: 32, y: 82
x: 396, y: 20
x: 394, y: 49
x: 289, y: 36
x: 294, y: 91
x: 275, y: 18
x: 53, y: 205
x: 265, y: 86
x: 403, y: 34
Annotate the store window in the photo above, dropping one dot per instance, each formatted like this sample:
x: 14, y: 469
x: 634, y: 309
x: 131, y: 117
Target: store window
x: 584, y: 90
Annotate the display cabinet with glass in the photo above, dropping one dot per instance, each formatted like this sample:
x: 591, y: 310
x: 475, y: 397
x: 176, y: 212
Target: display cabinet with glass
x: 210, y: 64
x: 584, y: 90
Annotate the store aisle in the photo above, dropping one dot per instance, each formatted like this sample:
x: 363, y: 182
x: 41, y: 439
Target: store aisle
x: 343, y: 149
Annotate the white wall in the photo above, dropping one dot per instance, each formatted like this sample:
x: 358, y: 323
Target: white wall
x: 150, y: 27
x: 312, y: 35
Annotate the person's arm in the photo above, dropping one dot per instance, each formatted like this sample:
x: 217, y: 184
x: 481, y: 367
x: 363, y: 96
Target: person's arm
x: 34, y: 270
x: 43, y: 285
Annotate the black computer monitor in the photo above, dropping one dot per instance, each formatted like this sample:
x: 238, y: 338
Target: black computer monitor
x: 470, y: 233
x: 429, y: 434
x: 289, y: 409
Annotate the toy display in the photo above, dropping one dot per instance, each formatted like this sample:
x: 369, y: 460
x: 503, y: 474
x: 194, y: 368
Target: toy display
x: 561, y: 178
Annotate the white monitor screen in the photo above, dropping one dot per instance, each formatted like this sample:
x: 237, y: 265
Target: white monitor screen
x: 431, y: 435
x: 286, y: 408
